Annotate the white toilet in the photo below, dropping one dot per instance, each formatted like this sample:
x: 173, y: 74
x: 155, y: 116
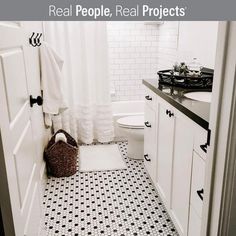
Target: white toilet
x: 133, y: 128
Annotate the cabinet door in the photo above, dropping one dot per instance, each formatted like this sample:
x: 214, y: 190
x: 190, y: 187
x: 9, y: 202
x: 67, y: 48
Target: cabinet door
x: 181, y: 171
x: 165, y: 137
x: 150, y: 142
x: 197, y: 188
x: 200, y: 141
x: 194, y: 223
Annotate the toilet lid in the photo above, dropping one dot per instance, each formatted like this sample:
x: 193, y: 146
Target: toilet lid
x: 132, y: 122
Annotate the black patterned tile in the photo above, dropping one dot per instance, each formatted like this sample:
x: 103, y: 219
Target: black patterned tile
x: 115, y: 203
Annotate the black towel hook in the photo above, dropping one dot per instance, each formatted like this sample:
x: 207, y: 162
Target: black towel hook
x: 31, y: 40
x: 38, y: 40
x: 34, y: 40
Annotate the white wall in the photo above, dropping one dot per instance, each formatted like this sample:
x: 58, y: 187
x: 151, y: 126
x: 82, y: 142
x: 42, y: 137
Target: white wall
x: 137, y: 51
x: 167, y: 44
x: 182, y: 41
x: 198, y: 39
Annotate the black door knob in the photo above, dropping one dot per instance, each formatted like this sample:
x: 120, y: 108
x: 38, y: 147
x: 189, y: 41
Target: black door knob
x: 38, y: 100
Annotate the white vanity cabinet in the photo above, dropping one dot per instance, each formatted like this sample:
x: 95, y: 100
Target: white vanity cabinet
x: 175, y: 149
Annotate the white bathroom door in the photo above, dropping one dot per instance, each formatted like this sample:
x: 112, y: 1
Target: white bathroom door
x: 32, y: 58
x: 18, y: 146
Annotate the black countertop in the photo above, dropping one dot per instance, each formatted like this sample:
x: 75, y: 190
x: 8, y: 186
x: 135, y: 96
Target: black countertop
x: 197, y: 111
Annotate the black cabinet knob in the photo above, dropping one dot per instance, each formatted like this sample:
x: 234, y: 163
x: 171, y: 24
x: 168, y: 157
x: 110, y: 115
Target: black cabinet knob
x: 204, y: 147
x: 168, y: 112
x: 147, y: 124
x: 148, y: 97
x: 146, y: 157
x: 200, y: 193
x: 38, y: 100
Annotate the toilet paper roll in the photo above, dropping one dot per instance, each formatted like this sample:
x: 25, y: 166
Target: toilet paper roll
x: 60, y: 137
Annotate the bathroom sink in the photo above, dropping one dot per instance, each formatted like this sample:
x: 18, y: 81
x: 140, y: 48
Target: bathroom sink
x: 199, y: 96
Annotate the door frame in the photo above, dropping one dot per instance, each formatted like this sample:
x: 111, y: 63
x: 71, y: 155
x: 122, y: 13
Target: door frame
x: 220, y: 192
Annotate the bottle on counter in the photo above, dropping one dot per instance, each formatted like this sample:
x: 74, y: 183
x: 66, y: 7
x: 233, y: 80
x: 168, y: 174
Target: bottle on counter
x: 194, y: 65
x: 195, y: 68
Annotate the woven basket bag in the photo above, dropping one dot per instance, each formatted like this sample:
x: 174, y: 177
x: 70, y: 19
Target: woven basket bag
x: 61, y: 157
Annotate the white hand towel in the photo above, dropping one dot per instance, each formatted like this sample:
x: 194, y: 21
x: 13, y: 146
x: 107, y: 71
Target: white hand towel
x: 51, y: 71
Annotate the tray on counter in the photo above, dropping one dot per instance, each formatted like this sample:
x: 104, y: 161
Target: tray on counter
x: 204, y: 80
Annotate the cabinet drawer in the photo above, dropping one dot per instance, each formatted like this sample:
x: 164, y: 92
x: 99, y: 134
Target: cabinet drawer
x: 150, y: 98
x: 197, y: 188
x: 194, y: 223
x: 200, y: 140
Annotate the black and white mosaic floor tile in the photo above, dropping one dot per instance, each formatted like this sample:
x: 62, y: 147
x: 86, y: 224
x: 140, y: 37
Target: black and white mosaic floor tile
x: 115, y: 203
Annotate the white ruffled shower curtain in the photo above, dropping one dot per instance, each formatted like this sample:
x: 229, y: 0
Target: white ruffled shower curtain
x: 83, y: 47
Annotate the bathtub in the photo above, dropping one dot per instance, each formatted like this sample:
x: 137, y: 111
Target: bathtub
x: 126, y: 108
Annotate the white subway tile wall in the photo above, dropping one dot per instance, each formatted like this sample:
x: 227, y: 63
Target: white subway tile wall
x: 168, y: 45
x: 137, y: 51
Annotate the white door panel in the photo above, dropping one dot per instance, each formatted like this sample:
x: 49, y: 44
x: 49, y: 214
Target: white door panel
x: 24, y: 163
x: 32, y: 222
x: 16, y: 129
x: 165, y: 153
x: 198, y: 179
x: 181, y: 171
x: 14, y: 80
x: 194, y: 223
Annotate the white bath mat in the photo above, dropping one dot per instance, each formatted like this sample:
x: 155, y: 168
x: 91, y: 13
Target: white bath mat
x: 100, y: 158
